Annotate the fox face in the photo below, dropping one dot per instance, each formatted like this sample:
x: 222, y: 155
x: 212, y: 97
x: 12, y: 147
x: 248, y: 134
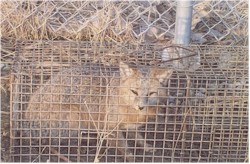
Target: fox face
x: 142, y: 87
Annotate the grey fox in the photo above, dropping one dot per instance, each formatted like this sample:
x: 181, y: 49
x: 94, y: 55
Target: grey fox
x: 96, y: 97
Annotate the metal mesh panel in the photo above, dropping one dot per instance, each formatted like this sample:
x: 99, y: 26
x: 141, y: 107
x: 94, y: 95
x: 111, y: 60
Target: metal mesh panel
x: 220, y: 22
x: 90, y: 20
x: 213, y: 22
x: 203, y: 117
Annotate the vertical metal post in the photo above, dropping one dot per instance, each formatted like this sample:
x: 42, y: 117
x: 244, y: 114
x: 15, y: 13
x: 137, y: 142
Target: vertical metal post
x: 183, y: 21
x: 182, y: 36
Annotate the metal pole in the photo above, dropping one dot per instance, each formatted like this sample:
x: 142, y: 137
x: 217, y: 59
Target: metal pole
x: 183, y: 22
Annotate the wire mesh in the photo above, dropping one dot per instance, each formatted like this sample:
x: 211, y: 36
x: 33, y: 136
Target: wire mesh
x: 214, y: 22
x: 204, y: 117
x: 222, y: 22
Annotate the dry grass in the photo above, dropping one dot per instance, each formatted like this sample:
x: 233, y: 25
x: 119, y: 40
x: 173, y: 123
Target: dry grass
x: 19, y: 23
x: 33, y: 21
x: 118, y: 22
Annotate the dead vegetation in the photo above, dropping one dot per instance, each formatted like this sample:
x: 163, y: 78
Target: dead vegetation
x: 134, y: 22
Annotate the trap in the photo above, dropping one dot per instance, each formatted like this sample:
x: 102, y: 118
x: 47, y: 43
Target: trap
x: 204, y: 117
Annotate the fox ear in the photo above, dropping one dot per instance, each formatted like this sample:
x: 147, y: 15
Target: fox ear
x: 163, y: 75
x: 125, y: 70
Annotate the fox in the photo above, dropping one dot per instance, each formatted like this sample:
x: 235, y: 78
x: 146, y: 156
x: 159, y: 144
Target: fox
x: 96, y: 97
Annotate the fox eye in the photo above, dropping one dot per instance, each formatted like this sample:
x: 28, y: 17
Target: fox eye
x: 151, y: 93
x: 134, y: 92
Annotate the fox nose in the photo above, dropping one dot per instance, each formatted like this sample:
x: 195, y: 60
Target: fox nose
x: 141, y: 107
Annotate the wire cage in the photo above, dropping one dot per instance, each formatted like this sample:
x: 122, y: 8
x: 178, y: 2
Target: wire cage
x: 90, y: 102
